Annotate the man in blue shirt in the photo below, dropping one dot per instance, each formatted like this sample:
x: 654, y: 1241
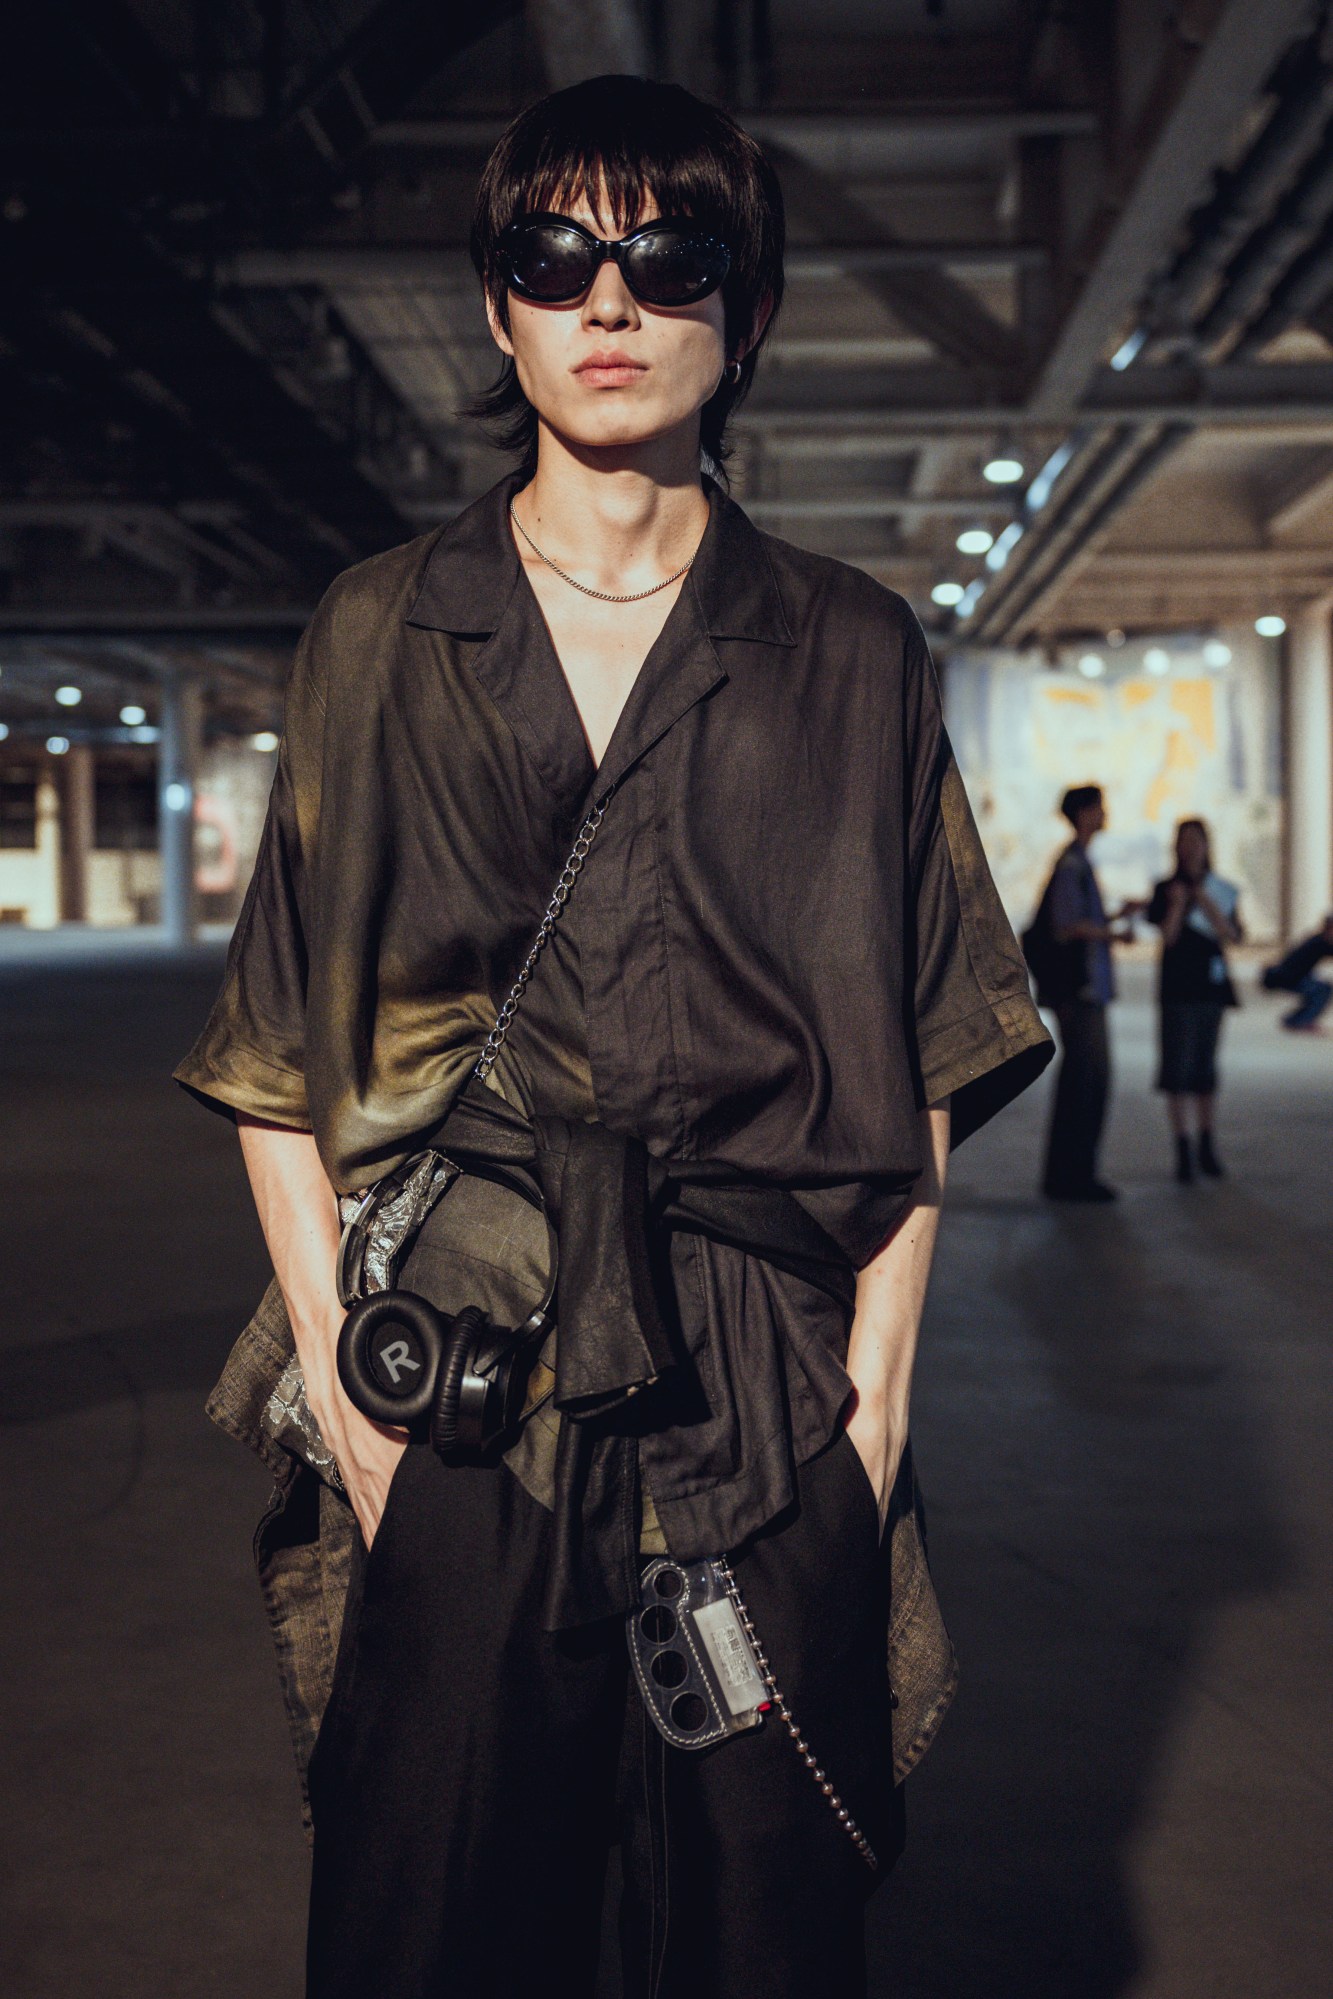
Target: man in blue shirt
x: 1077, y: 917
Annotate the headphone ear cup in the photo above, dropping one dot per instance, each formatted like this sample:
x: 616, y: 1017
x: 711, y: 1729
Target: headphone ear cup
x: 459, y: 1347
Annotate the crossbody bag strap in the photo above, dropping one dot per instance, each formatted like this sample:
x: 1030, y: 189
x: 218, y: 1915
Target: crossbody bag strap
x: 560, y: 895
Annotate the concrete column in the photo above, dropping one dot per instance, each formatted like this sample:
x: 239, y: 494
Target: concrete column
x: 177, y: 765
x: 77, y: 818
x: 1309, y: 734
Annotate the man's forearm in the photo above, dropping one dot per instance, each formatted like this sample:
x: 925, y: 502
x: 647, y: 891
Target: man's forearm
x: 890, y: 1297
x: 298, y: 1212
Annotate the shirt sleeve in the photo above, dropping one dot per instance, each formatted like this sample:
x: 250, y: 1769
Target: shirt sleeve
x: 250, y: 1056
x: 975, y: 1031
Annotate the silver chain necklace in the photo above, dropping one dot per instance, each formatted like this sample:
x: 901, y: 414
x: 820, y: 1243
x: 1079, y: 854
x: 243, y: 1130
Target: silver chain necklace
x: 606, y: 596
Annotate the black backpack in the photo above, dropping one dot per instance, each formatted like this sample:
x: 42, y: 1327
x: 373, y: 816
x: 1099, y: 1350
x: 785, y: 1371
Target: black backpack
x: 1059, y: 970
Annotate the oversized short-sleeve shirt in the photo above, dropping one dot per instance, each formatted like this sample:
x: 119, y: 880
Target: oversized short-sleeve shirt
x: 784, y: 943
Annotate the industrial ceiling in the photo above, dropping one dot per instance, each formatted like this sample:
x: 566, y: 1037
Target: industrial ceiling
x: 237, y: 319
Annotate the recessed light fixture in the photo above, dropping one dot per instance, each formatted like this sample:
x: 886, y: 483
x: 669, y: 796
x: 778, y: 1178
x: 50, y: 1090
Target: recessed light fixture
x: 1092, y: 666
x: 974, y: 541
x: 947, y: 594
x: 133, y: 716
x: 1216, y: 653
x: 264, y: 739
x: 69, y: 697
x: 4, y: 732
x: 1115, y: 638
x: 176, y: 797
x: 1157, y: 661
x: 1270, y: 627
x: 1003, y: 471
x: 57, y: 745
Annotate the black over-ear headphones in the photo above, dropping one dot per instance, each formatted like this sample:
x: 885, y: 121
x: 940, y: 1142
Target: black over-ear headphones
x: 454, y: 1380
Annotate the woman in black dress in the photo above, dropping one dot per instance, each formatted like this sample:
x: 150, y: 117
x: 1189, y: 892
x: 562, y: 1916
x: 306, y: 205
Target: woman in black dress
x: 1197, y: 914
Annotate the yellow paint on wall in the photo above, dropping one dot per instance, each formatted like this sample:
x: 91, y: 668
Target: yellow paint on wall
x: 1071, y: 697
x: 1181, y: 756
x: 1195, y: 700
x: 1134, y: 693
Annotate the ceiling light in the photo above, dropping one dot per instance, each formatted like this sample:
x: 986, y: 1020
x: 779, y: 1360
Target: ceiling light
x: 1270, y: 627
x: 1092, y: 666
x: 1115, y: 638
x: 69, y: 697
x: 1216, y: 652
x: 974, y: 541
x: 176, y: 797
x: 1003, y: 471
x: 1156, y: 660
x: 4, y: 731
x: 947, y: 594
x: 132, y: 715
x: 57, y: 745
x: 264, y: 739
x: 972, y: 596
x: 145, y: 735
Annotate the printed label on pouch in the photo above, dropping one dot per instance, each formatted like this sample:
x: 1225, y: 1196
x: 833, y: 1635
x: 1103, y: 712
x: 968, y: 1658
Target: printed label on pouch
x: 729, y: 1654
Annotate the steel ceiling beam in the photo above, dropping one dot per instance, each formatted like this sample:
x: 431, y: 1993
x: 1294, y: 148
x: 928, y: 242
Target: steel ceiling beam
x: 1229, y: 395
x: 930, y: 303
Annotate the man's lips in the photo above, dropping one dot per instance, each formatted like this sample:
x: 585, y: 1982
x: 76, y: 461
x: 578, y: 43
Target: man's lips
x: 610, y: 370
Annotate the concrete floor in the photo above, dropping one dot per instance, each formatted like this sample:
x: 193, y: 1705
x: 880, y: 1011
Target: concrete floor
x: 1122, y: 1420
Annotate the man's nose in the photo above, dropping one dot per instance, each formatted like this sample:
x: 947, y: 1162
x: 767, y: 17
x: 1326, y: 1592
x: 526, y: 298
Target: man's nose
x: 610, y: 302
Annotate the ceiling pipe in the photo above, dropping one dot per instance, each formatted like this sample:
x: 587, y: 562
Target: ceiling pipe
x: 1243, y: 197
x: 1304, y: 288
x: 1270, y: 252
x: 1016, y: 617
x: 1107, y: 457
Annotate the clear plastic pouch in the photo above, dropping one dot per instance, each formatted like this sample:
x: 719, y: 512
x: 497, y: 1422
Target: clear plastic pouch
x: 696, y: 1668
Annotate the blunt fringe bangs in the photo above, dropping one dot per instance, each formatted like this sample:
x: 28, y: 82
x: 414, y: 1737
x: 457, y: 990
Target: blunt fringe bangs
x: 635, y: 139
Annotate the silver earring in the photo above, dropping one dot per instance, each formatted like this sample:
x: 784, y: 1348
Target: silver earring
x: 732, y: 371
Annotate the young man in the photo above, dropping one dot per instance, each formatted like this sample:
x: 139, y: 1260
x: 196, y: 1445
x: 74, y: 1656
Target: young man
x: 780, y: 961
x: 1079, y: 993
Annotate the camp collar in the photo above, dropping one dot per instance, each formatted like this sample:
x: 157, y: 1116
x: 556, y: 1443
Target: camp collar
x: 473, y: 568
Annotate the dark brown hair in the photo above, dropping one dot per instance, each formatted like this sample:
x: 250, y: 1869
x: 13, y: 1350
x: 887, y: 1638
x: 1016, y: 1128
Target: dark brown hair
x: 1078, y: 798
x: 635, y: 138
x: 1195, y: 826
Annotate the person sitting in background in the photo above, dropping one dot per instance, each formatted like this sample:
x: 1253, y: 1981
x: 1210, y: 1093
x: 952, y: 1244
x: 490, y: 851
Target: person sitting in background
x: 1196, y: 912
x: 1295, y: 974
x: 1069, y: 949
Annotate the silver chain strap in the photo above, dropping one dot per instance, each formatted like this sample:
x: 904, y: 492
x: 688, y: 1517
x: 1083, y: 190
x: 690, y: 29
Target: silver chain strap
x: 806, y: 1753
x: 560, y: 895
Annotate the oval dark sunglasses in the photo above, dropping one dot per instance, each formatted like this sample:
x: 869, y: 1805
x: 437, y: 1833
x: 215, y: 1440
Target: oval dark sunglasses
x: 553, y: 260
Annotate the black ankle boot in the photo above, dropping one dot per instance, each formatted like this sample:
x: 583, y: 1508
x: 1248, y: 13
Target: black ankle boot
x: 1184, y: 1162
x: 1209, y: 1162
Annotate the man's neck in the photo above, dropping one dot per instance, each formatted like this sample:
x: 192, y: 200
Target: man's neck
x: 620, y: 521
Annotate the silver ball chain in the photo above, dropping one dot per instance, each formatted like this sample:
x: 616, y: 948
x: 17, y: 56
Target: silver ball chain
x: 806, y: 1753
x: 606, y: 596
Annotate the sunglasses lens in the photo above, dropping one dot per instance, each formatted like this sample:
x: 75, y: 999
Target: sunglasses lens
x: 673, y: 267
x: 549, y: 263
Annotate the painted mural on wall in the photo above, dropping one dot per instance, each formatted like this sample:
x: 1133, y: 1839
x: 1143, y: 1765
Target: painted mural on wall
x: 1170, y: 739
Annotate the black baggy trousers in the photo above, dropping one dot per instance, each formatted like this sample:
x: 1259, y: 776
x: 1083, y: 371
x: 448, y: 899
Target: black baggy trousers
x: 473, y: 1770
